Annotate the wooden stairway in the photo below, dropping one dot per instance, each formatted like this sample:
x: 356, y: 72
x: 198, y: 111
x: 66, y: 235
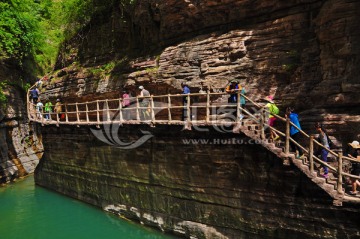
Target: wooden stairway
x: 252, y: 129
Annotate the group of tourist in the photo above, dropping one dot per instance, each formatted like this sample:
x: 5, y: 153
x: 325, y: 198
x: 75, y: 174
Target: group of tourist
x: 145, y: 111
x: 295, y: 132
x: 46, y: 109
x: 233, y: 89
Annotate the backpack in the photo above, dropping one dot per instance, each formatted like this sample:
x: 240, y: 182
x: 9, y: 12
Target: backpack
x: 331, y: 143
x: 274, y: 109
x: 34, y: 93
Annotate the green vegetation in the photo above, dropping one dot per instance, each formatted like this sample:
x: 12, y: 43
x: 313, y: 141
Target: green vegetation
x: 19, y: 30
x: 289, y: 67
x: 3, y: 98
x: 28, y: 34
x: 31, y: 31
x: 103, y: 70
x: 152, y: 70
x: 292, y: 61
x: 26, y: 87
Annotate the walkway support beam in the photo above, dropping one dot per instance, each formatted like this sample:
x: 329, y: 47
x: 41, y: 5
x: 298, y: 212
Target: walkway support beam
x: 287, y: 136
x: 169, y: 107
x: 262, y: 123
x: 97, y: 112
x: 311, y: 154
x: 207, y: 106
x: 340, y: 171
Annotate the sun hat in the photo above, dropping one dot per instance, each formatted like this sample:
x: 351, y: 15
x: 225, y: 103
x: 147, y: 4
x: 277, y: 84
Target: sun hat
x: 355, y: 144
x: 141, y: 87
x: 269, y: 98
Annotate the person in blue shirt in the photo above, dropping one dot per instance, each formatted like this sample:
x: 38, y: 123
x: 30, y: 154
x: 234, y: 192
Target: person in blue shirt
x: 34, y: 93
x: 186, y: 90
x: 294, y: 132
x: 231, y: 89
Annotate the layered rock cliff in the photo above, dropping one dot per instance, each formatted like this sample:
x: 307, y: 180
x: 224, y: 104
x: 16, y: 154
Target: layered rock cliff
x: 303, y: 52
x: 20, y: 142
x: 208, y: 185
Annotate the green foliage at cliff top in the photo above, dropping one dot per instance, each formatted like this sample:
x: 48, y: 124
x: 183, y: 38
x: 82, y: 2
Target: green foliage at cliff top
x: 3, y: 98
x: 26, y: 34
x: 31, y: 31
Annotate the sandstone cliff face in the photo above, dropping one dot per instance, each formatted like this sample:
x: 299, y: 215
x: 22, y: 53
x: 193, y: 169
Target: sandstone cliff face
x: 223, y: 186
x: 303, y: 52
x: 20, y: 142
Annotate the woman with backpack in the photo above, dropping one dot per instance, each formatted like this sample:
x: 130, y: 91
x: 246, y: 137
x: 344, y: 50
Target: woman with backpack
x: 274, y: 110
x: 324, y: 140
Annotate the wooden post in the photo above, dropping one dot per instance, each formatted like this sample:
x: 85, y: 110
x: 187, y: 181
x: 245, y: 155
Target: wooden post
x: 97, y: 112
x: 287, y: 136
x: 77, y: 112
x: 42, y: 115
x: 340, y: 171
x: 57, y: 117
x: 207, y: 106
x: 169, y: 108
x: 311, y: 154
x: 28, y: 103
x: 152, y: 109
x: 188, y: 108
x: 107, y: 110
x: 262, y: 123
x: 87, y: 112
x: 137, y: 109
x: 66, y: 114
x: 238, y: 111
x: 121, y: 118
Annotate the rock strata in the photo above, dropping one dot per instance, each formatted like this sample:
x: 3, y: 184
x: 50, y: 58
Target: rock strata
x: 20, y: 141
x: 304, y: 53
x: 209, y: 185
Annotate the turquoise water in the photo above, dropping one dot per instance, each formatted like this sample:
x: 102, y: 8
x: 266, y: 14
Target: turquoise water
x: 31, y: 212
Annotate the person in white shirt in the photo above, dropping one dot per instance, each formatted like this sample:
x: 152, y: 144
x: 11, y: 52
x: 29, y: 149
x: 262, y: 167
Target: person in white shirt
x: 39, y: 109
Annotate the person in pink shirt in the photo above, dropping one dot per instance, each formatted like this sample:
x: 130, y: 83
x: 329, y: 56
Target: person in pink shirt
x: 125, y: 104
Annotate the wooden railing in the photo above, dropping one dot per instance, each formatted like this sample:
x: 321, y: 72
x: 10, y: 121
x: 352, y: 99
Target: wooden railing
x: 162, y: 109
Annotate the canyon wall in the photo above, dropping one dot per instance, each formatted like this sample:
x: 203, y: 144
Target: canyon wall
x: 305, y: 53
x: 20, y: 141
x: 195, y: 184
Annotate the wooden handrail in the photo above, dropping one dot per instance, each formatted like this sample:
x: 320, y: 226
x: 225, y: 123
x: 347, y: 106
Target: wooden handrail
x: 311, y: 153
x: 173, y: 103
x: 340, y: 172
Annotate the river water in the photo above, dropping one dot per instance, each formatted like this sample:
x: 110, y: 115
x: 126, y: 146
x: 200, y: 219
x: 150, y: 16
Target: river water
x: 31, y: 212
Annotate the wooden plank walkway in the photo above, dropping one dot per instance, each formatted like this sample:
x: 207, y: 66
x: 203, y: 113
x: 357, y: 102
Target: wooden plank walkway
x: 205, y: 109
